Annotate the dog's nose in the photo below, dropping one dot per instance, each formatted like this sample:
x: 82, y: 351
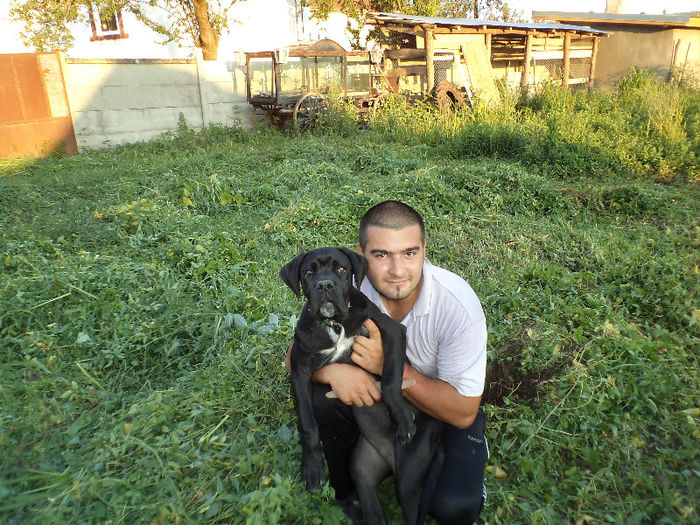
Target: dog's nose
x: 325, y: 286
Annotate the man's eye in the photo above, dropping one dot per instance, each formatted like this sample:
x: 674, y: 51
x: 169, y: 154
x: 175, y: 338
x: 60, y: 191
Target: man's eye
x: 410, y: 254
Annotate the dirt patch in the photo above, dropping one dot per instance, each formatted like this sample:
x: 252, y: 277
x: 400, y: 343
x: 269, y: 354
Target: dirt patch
x: 505, y: 376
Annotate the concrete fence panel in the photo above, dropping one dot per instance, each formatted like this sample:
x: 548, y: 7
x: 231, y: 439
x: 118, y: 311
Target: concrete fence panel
x: 117, y: 101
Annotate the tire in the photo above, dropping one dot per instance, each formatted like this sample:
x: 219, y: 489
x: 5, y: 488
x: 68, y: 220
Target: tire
x: 447, y: 96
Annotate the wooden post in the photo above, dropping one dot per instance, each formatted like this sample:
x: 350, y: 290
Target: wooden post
x: 526, y: 64
x: 594, y: 54
x: 429, y: 63
x: 567, y: 61
x: 487, y: 36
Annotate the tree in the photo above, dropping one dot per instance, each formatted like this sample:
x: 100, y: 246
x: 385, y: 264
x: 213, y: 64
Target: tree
x: 482, y: 9
x: 201, y: 21
x: 356, y: 9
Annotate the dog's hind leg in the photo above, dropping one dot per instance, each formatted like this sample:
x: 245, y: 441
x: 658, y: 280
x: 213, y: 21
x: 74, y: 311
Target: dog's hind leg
x: 368, y: 469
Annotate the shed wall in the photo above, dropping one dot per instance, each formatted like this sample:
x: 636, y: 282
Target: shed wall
x: 646, y: 48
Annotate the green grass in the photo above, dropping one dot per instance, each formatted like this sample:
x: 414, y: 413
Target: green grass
x: 143, y: 323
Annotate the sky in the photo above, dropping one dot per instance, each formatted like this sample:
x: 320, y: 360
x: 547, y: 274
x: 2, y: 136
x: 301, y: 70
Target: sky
x: 650, y: 7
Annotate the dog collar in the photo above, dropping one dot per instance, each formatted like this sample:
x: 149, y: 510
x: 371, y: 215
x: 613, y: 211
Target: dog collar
x: 335, y: 325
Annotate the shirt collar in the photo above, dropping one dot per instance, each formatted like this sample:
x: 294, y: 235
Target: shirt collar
x: 422, y: 306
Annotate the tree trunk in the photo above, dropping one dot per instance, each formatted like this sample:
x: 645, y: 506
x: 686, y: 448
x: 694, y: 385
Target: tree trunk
x: 208, y: 38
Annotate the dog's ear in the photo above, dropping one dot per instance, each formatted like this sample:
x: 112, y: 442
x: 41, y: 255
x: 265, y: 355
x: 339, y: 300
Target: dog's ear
x: 359, y: 264
x: 290, y: 273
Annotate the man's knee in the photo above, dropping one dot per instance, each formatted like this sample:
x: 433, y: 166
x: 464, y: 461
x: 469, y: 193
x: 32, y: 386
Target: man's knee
x: 462, y: 509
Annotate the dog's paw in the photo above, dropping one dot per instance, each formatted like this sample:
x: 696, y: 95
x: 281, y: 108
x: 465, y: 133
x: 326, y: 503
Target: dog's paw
x: 405, y: 432
x: 312, y: 474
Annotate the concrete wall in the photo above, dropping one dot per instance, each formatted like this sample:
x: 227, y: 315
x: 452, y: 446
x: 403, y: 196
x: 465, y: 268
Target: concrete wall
x: 647, y: 49
x: 121, y: 101
x: 687, y: 54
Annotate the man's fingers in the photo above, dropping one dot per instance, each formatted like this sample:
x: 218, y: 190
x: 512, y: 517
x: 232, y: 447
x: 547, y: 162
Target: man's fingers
x: 356, y: 357
x: 360, y: 341
x: 371, y: 328
x: 358, y: 346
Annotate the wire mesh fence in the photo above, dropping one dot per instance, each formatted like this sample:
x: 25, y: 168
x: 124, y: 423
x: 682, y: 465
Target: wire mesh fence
x: 552, y: 69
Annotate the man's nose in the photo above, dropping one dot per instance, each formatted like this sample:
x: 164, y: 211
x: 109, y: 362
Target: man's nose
x: 326, y: 285
x: 395, y: 265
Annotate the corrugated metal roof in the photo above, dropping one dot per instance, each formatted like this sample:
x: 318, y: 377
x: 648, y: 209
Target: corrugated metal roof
x: 691, y: 19
x: 475, y: 22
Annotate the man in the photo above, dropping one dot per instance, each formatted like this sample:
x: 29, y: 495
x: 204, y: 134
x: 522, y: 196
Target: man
x: 446, y: 345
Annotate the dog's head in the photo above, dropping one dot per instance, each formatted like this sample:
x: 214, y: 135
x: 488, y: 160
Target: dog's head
x: 325, y: 277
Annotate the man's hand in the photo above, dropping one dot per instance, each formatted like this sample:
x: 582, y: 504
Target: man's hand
x: 352, y: 385
x: 368, y: 352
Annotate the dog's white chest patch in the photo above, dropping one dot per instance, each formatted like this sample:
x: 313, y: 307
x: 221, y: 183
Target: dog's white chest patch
x: 341, y: 344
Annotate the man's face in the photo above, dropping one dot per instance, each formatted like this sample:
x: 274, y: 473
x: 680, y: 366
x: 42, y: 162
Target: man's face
x: 395, y: 261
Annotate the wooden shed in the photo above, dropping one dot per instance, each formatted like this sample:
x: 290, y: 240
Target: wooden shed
x: 425, y: 51
x: 660, y: 43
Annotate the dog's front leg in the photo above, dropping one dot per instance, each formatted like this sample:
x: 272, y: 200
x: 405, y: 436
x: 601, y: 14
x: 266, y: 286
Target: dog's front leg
x: 394, y: 344
x: 311, y: 456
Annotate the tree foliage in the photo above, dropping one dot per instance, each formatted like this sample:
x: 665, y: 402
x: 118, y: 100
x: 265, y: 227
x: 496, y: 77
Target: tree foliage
x: 355, y: 10
x: 484, y: 9
x: 47, y: 22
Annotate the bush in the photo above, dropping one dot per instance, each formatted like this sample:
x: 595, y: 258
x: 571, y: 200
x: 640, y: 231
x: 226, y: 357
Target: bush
x: 645, y: 128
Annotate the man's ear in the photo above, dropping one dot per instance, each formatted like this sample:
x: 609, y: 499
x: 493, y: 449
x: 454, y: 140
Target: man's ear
x: 290, y: 273
x: 359, y: 264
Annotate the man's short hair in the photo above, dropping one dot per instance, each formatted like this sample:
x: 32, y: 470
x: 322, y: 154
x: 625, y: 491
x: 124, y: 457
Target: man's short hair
x: 394, y: 215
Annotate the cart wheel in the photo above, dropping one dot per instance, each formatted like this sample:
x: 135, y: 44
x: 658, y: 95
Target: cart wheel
x: 307, y: 111
x: 447, y: 96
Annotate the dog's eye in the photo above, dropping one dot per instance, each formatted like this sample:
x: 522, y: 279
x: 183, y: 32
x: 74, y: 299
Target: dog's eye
x: 342, y: 269
x: 308, y: 273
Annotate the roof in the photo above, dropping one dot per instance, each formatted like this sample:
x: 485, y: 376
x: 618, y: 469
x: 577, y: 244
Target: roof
x: 475, y: 24
x: 691, y: 19
x: 323, y: 47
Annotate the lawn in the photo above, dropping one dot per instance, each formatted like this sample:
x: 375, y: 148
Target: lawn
x: 143, y: 324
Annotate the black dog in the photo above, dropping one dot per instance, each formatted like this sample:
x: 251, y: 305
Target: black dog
x: 332, y: 317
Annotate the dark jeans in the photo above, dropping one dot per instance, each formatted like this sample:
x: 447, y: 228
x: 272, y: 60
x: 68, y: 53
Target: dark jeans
x: 459, y: 495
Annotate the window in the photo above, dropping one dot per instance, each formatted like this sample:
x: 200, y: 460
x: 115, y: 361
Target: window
x: 106, y: 26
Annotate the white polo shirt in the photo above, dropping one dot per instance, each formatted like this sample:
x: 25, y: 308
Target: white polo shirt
x: 446, y: 330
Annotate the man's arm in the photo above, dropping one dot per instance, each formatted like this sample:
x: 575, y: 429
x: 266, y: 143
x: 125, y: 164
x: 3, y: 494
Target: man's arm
x: 352, y: 385
x: 433, y: 396
x: 440, y: 399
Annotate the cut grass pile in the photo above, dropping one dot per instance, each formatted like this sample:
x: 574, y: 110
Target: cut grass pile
x: 143, y: 326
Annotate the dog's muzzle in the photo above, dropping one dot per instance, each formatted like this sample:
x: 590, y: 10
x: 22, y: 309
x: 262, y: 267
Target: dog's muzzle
x: 327, y: 300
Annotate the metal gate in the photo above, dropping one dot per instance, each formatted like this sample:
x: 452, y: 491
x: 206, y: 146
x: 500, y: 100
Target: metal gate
x: 35, y: 118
